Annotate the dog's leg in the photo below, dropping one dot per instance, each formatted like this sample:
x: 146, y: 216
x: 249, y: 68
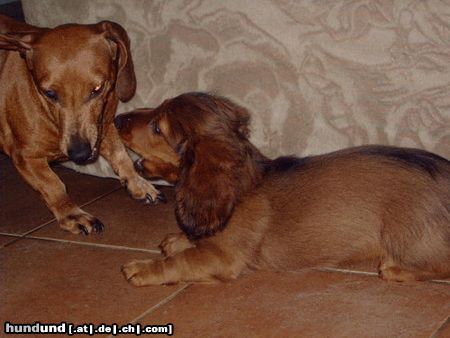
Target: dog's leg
x: 41, y: 177
x: 223, y: 256
x: 390, y: 271
x: 113, y: 150
x: 175, y: 243
x: 204, y: 263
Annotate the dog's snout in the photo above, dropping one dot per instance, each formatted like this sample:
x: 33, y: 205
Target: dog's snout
x: 120, y: 122
x: 80, y: 150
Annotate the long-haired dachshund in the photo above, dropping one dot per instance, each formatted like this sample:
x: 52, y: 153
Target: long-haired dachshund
x: 240, y: 210
x: 59, y: 90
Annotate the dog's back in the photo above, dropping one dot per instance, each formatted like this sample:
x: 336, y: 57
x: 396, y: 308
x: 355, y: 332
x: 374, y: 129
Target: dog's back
x: 357, y: 204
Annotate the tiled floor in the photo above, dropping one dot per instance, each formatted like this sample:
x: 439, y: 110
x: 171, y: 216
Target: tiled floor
x: 51, y: 276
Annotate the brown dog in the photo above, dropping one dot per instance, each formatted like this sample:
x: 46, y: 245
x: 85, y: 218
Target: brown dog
x: 59, y: 90
x: 240, y: 210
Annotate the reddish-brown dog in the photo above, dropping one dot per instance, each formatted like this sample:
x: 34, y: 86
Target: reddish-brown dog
x: 240, y: 210
x: 59, y: 90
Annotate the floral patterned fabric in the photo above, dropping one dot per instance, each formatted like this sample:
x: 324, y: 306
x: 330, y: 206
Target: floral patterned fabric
x: 316, y: 75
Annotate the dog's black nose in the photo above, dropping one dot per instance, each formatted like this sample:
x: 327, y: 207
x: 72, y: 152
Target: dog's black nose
x: 120, y: 121
x: 79, y: 150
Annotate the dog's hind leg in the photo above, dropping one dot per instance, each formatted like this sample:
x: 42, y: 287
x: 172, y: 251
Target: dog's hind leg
x: 390, y: 271
x: 39, y: 175
x: 416, y: 256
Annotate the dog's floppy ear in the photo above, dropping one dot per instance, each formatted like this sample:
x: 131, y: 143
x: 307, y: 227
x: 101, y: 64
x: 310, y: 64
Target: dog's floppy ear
x: 210, y: 135
x: 206, y: 191
x: 15, y: 43
x: 20, y: 42
x: 126, y: 78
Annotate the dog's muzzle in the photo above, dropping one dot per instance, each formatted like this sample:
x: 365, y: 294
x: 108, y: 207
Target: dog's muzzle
x: 80, y: 150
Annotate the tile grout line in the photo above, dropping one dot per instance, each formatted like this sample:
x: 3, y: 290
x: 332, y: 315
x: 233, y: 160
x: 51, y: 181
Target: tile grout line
x: 161, y: 303
x: 441, y: 328
x: 53, y: 219
x: 372, y: 274
x: 353, y: 272
x: 95, y: 199
x: 154, y: 251
x: 105, y: 246
x: 158, y: 305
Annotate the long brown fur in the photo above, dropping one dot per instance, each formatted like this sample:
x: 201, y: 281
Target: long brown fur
x: 59, y: 90
x: 239, y: 210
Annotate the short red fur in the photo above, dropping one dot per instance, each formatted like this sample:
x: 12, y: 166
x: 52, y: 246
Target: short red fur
x: 59, y: 90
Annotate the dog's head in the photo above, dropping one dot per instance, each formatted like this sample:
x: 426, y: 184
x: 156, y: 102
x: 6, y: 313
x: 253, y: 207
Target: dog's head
x: 157, y: 158
x: 79, y: 72
x: 208, y: 137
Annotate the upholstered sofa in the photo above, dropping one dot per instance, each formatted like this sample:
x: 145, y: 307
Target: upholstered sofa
x: 317, y: 75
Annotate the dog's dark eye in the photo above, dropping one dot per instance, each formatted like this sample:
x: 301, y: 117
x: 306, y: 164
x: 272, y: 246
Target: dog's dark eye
x: 96, y: 91
x: 51, y: 94
x: 156, y: 128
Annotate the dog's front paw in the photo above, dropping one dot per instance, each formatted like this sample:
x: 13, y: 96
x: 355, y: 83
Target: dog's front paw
x: 81, y: 222
x: 175, y: 243
x: 140, y: 189
x: 141, y: 272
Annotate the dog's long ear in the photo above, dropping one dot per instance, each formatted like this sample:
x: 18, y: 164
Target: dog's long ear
x: 126, y: 78
x: 15, y: 43
x: 207, y: 189
x: 20, y: 42
x: 210, y: 135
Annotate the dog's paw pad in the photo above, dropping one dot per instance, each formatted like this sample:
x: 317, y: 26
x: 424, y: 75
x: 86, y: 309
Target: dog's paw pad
x: 161, y: 197
x: 98, y: 226
x: 83, y: 229
x: 141, y: 189
x: 135, y: 272
x: 149, y: 200
x: 137, y: 280
x: 81, y: 222
x: 174, y: 243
